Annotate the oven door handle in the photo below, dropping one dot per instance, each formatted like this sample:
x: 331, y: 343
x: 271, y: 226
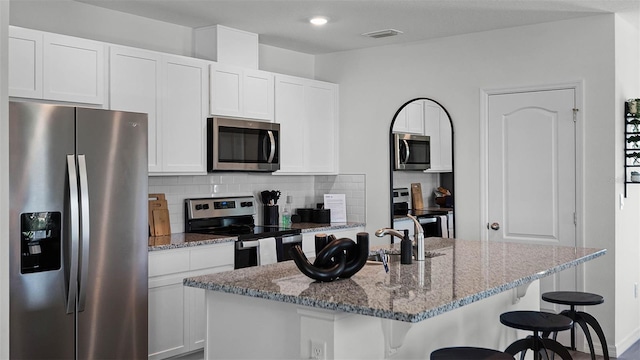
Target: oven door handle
x: 241, y: 245
x: 427, y: 220
x: 292, y: 239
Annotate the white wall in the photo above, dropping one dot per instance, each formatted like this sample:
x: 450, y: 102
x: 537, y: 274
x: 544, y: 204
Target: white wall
x: 4, y: 184
x: 627, y: 55
x: 375, y: 82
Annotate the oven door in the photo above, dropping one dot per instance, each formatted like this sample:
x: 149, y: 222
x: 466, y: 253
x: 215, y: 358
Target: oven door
x: 247, y: 251
x: 243, y: 145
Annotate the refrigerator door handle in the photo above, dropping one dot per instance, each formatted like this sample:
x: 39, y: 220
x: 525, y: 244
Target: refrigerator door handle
x: 84, y: 231
x: 74, y: 213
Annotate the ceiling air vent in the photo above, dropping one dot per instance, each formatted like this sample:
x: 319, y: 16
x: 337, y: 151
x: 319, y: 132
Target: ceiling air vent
x: 382, y: 33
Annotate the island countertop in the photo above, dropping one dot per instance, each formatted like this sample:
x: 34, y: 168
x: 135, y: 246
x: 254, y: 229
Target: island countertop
x: 455, y: 273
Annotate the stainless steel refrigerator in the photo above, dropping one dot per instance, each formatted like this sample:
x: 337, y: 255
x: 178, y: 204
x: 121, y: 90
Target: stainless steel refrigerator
x: 78, y: 233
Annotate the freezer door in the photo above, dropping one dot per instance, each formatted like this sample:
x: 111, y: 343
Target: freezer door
x: 40, y: 138
x: 112, y: 316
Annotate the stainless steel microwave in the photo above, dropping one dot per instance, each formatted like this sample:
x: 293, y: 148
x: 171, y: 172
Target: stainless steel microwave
x: 412, y: 152
x: 242, y: 145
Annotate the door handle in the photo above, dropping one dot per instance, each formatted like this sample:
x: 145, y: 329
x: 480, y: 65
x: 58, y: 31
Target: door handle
x: 84, y: 232
x: 74, y: 234
x: 407, y: 152
x: 494, y: 226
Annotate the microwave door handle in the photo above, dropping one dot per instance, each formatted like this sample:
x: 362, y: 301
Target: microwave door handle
x: 272, y: 146
x: 74, y: 215
x: 407, y: 152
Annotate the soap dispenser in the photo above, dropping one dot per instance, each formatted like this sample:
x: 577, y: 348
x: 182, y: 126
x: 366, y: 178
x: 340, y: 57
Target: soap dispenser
x: 406, y: 250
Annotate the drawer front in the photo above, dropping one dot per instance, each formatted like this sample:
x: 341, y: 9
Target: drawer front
x: 203, y: 257
x: 168, y: 262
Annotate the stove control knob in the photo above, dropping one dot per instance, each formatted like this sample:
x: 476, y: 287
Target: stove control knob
x: 198, y: 207
x: 205, y: 206
x: 246, y: 204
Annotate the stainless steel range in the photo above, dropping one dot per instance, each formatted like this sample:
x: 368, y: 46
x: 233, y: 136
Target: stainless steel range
x: 234, y: 216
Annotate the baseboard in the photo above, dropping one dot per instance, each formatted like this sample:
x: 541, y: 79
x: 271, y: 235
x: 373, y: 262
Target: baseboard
x: 622, y: 346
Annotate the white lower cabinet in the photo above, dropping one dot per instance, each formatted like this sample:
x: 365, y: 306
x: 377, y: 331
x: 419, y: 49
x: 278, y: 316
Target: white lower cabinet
x: 309, y: 238
x: 177, y: 313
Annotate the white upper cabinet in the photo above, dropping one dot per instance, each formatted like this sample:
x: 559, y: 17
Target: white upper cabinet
x: 55, y: 67
x: 172, y: 90
x: 410, y: 119
x: 438, y: 127
x: 184, y: 117
x: 307, y: 111
x: 25, y: 63
x: 134, y: 85
x: 240, y: 92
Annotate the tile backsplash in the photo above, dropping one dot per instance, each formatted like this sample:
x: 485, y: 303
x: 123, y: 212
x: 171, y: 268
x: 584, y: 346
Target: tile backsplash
x: 306, y: 191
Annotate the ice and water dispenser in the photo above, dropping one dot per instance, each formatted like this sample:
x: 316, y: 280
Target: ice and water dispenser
x: 40, y: 241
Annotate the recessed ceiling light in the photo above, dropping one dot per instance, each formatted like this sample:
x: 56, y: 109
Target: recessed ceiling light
x: 318, y: 20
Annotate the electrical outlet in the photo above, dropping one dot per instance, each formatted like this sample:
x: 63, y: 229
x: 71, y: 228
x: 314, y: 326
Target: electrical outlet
x: 318, y: 350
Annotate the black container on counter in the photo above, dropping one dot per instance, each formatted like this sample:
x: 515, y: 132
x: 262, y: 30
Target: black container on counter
x: 321, y: 216
x: 406, y: 250
x: 305, y: 214
x: 270, y: 214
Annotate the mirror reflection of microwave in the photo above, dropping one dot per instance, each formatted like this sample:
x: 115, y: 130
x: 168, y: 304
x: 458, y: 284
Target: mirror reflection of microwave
x: 242, y: 145
x: 412, y: 152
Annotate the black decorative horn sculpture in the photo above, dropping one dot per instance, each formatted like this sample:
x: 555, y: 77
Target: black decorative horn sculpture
x: 340, y: 258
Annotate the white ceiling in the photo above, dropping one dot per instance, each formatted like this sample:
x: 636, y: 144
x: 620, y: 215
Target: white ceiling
x: 284, y: 23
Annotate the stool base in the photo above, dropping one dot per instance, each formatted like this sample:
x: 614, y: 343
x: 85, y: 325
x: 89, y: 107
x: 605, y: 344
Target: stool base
x: 469, y: 353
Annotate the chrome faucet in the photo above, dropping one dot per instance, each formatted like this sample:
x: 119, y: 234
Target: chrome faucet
x: 388, y: 231
x: 418, y: 237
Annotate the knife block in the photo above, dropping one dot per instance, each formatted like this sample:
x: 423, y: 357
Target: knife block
x: 270, y: 214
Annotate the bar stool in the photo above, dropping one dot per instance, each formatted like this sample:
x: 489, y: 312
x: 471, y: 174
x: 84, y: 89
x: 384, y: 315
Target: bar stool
x: 577, y: 298
x: 469, y: 353
x: 537, y: 322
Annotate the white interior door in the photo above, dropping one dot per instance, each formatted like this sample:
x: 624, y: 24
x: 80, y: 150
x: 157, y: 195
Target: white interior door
x: 531, y: 173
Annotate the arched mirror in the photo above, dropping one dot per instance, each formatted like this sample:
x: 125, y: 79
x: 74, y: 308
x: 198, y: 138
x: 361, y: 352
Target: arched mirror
x: 421, y: 168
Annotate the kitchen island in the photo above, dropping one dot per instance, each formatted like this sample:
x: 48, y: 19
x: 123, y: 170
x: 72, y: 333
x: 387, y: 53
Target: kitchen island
x: 453, y: 298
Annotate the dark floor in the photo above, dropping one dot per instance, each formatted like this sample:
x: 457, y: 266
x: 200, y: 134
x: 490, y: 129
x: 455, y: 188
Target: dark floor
x: 633, y: 353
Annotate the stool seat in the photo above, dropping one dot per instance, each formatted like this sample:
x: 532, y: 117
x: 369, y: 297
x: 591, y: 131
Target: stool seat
x: 572, y: 298
x: 469, y: 353
x: 536, y: 321
x: 583, y: 319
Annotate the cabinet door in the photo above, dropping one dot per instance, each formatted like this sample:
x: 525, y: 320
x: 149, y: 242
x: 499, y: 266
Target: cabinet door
x: 134, y: 85
x: 73, y: 69
x: 167, y: 320
x: 415, y: 117
x: 184, y: 116
x: 446, y: 142
x: 258, y: 95
x: 25, y: 63
x: 432, y: 129
x: 290, y: 113
x: 226, y: 90
x: 320, y: 134
x: 410, y: 119
x: 400, y: 124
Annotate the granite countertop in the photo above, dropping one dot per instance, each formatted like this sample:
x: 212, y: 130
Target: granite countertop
x: 456, y: 273
x: 180, y: 240
x: 314, y: 227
